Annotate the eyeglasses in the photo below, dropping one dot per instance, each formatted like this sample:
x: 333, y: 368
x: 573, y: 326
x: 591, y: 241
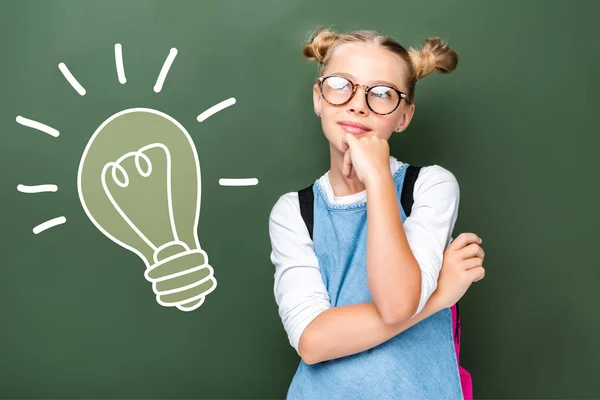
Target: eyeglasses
x: 381, y: 99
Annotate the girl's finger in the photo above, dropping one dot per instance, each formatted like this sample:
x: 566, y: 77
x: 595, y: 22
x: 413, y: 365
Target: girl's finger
x: 347, y: 167
x: 476, y: 274
x: 345, y: 144
x: 350, y: 140
x: 471, y: 263
x: 472, y: 250
x: 463, y: 240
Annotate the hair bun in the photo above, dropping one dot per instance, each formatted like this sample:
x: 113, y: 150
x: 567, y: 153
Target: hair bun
x: 319, y: 43
x: 433, y: 56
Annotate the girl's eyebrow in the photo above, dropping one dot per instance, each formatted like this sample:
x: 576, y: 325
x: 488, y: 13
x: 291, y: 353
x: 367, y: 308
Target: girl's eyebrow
x: 374, y: 82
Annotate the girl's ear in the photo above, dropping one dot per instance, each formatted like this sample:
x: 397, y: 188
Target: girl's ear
x: 317, y: 99
x: 405, y: 119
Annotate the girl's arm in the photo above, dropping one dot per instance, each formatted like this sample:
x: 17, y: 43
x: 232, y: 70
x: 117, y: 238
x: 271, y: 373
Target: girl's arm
x: 346, y: 330
x: 404, y: 261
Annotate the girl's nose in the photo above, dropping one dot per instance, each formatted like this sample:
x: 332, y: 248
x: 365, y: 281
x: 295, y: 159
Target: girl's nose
x: 358, y: 103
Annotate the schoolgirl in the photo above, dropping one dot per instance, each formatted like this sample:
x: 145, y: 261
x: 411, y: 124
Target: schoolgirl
x: 365, y: 301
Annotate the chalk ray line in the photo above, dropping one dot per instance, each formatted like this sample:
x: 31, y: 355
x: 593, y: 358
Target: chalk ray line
x: 49, y: 224
x: 71, y: 79
x: 119, y: 62
x: 37, y: 125
x: 36, y: 188
x: 165, y: 70
x: 215, y: 109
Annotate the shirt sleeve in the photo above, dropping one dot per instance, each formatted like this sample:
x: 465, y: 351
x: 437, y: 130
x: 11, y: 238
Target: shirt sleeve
x: 431, y: 222
x: 298, y: 287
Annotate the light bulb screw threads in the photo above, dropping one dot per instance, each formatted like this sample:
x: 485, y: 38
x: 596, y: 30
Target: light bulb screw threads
x: 182, y: 280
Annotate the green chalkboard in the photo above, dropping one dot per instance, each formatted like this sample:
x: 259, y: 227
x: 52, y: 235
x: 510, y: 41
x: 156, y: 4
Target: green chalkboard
x: 516, y: 123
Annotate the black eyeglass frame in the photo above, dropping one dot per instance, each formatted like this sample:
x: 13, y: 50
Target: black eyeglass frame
x: 401, y: 95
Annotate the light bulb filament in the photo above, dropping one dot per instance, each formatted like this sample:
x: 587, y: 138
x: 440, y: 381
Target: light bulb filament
x: 123, y: 181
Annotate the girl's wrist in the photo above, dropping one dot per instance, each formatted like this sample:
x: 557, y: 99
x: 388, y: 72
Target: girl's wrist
x: 437, y: 303
x: 377, y: 179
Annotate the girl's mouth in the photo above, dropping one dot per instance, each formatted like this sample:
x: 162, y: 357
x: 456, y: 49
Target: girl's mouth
x: 354, y: 128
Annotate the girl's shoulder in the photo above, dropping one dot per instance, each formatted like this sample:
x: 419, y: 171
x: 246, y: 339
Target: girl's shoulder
x: 433, y: 174
x: 285, y: 213
x: 429, y: 177
x: 287, y: 203
x: 437, y: 187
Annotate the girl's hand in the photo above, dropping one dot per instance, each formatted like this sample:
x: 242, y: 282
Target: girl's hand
x: 462, y: 265
x: 365, y: 157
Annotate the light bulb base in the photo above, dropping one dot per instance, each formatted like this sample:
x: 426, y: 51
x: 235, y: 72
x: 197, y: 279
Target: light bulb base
x: 182, y: 280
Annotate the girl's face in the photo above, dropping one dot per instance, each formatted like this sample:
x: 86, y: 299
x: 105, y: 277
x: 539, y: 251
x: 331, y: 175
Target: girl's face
x: 366, y: 64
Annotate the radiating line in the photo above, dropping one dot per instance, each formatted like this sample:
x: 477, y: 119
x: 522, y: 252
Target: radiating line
x: 76, y: 85
x: 165, y: 69
x: 238, y: 182
x: 215, y: 109
x: 119, y: 62
x: 49, y: 224
x: 37, y: 125
x: 37, y: 188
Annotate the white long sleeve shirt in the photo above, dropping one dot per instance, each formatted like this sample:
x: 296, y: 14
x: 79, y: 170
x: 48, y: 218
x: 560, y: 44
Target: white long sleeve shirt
x: 299, y: 290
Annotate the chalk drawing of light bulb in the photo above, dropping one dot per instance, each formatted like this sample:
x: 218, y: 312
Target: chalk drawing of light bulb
x: 139, y: 183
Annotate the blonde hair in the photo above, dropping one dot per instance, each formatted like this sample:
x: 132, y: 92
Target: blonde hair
x: 434, y: 55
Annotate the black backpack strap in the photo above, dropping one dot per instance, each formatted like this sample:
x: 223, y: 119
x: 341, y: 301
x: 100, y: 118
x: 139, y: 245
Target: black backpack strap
x: 306, y: 199
x: 406, y: 197
x: 457, y: 331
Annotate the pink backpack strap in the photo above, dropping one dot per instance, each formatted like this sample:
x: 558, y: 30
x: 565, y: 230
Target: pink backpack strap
x: 465, y: 377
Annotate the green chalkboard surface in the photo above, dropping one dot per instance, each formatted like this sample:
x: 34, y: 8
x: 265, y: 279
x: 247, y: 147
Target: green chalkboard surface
x: 516, y: 123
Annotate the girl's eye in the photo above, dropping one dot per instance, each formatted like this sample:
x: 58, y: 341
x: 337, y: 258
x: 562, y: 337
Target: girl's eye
x: 337, y: 83
x: 380, y: 92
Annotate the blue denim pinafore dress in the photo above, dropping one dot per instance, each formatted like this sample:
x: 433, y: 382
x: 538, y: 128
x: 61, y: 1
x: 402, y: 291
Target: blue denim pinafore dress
x: 419, y: 363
